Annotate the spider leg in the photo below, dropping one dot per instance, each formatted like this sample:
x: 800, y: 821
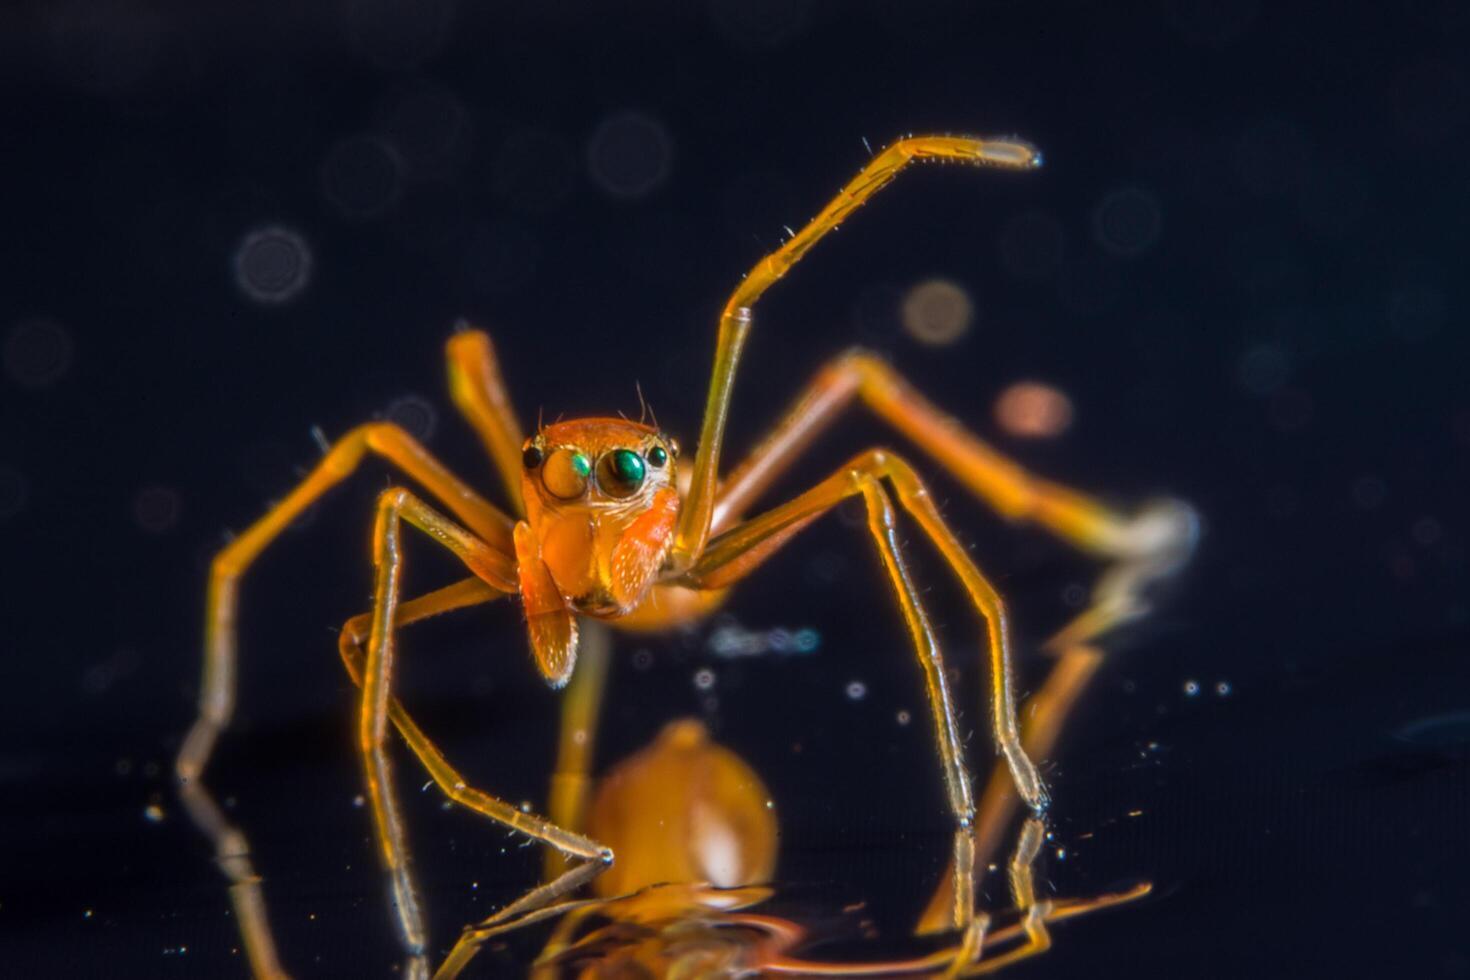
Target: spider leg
x: 1141, y: 549
x: 395, y: 506
x: 1077, y: 660
x: 478, y: 389
x: 217, y: 690
x: 1076, y: 518
x: 694, y: 520
x: 467, y: 592
x: 740, y: 550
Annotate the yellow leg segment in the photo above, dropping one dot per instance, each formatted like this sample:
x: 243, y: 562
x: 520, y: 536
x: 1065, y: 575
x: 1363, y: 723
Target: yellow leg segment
x: 478, y: 389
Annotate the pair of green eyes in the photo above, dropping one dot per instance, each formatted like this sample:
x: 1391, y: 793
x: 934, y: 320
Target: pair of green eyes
x: 620, y: 472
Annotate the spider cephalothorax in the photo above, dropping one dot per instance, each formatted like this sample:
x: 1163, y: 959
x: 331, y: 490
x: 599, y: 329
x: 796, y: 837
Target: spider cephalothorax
x: 602, y: 506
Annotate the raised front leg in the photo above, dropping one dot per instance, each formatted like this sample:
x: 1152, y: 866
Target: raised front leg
x: 1075, y: 517
x: 695, y: 518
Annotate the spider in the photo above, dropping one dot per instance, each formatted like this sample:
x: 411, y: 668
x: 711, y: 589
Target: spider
x: 606, y: 521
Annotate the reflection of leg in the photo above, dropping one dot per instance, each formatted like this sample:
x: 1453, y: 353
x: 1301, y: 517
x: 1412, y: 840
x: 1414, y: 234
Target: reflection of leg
x: 535, y: 906
x: 581, y: 705
x: 1116, y: 599
x: 397, y: 505
x: 1042, y: 716
x: 1034, y: 913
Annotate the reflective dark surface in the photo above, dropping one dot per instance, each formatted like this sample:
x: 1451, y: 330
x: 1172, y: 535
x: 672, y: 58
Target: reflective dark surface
x: 1239, y: 264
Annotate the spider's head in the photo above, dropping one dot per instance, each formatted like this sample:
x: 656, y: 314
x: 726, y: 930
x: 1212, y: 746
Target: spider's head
x: 602, y: 500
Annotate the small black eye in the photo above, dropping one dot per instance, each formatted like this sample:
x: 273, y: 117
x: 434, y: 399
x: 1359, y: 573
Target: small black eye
x: 531, y: 457
x: 657, y: 457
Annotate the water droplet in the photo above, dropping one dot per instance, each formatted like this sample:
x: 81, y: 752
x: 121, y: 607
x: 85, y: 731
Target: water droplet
x: 904, y: 717
x: 857, y: 690
x: 704, y: 679
x: 153, y: 813
x: 1223, y: 688
x: 1191, y: 688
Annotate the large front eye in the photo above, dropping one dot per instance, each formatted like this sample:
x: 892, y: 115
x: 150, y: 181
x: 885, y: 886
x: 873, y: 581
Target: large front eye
x: 620, y: 473
x: 565, y: 473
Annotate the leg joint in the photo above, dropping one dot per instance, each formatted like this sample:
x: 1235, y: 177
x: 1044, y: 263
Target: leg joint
x: 392, y: 500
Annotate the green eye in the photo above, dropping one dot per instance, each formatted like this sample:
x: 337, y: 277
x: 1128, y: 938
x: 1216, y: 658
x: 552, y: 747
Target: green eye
x: 620, y: 473
x: 565, y: 473
x: 657, y: 457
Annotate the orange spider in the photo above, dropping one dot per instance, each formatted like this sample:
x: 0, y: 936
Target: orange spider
x: 609, y: 524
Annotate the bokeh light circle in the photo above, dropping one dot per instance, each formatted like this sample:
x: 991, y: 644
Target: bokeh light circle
x: 629, y: 154
x: 272, y: 265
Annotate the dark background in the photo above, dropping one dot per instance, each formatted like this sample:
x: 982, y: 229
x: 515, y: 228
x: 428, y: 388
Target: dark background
x: 1239, y: 264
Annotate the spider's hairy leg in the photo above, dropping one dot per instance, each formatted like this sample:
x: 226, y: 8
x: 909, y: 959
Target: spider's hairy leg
x: 478, y: 389
x: 396, y: 506
x: 742, y: 549
x: 1034, y: 912
x: 694, y: 520
x: 351, y: 646
x: 218, y: 687
x: 1076, y: 661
